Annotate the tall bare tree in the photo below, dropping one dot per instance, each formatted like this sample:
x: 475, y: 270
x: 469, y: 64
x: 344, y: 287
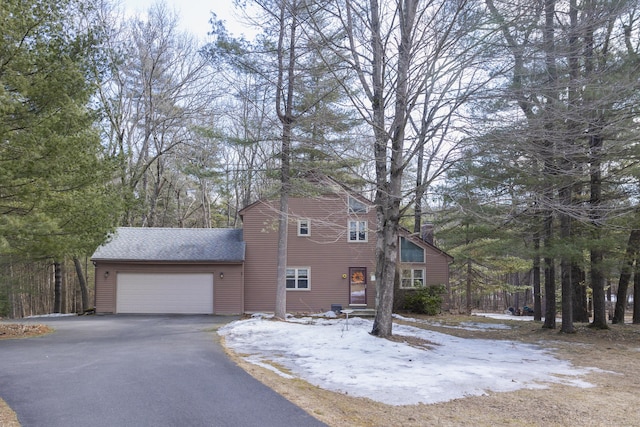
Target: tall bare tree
x: 396, y: 50
x: 156, y: 95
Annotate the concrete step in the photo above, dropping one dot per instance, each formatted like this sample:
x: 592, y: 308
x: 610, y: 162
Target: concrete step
x: 360, y: 312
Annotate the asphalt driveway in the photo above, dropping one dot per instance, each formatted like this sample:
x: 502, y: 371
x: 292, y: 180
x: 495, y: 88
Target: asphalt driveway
x: 135, y: 371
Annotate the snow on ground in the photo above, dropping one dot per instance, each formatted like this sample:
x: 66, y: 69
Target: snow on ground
x: 468, y: 326
x: 50, y: 315
x: 504, y: 316
x: 345, y: 358
x: 509, y: 316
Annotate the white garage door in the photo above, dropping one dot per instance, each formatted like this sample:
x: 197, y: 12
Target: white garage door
x: 165, y: 293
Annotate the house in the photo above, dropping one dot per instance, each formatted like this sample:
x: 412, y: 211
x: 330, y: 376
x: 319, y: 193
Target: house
x: 330, y: 261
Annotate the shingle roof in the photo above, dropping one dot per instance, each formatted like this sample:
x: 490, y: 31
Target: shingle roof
x: 173, y: 244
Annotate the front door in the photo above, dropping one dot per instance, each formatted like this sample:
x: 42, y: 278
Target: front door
x: 357, y: 286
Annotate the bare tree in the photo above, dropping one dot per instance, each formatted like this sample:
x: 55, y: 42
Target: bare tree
x: 397, y: 51
x: 157, y: 92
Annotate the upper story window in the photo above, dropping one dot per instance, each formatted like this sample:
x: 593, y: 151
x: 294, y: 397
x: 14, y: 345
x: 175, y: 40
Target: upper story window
x: 304, y: 227
x: 410, y: 252
x: 356, y: 206
x: 358, y: 231
x: 298, y: 278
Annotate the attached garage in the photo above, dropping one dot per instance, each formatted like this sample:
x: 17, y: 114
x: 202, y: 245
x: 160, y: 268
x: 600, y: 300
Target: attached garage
x: 170, y: 271
x: 165, y: 293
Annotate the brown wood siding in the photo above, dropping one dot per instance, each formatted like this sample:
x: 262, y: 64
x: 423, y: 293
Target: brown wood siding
x: 326, y: 251
x: 228, y: 291
x: 260, y: 235
x: 437, y: 269
x: 105, y: 288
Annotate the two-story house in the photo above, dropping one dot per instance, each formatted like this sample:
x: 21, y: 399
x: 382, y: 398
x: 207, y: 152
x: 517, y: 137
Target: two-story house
x: 330, y: 261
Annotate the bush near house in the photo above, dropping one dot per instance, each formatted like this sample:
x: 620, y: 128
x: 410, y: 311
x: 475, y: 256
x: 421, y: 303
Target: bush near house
x: 425, y: 300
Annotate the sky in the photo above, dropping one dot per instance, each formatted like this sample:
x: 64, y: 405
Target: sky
x: 345, y: 358
x: 194, y: 14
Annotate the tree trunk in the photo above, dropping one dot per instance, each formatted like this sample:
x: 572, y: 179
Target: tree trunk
x: 597, y: 285
x: 567, y: 164
x: 417, y: 214
x: 389, y: 189
x: 565, y: 266
x: 281, y: 288
x: 595, y: 165
x: 57, y: 287
x: 597, y: 254
x: 537, y: 292
x: 636, y: 290
x: 286, y: 118
x: 580, y: 308
x: 469, y: 287
x: 84, y: 291
x: 386, y: 250
x: 625, y: 275
x: 549, y: 277
x: 550, y: 170
x: 382, y: 323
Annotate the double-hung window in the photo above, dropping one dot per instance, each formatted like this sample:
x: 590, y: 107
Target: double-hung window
x: 412, y: 278
x: 358, y: 231
x: 304, y: 227
x: 298, y: 278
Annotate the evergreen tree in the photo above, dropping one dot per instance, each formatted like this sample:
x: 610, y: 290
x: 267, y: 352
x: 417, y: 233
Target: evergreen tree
x: 54, y: 199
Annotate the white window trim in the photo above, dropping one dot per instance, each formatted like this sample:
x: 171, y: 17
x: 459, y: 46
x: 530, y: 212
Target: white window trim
x: 366, y: 231
x: 308, y: 222
x: 296, y: 278
x: 413, y: 279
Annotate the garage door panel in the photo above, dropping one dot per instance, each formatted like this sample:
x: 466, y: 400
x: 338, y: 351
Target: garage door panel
x: 190, y: 293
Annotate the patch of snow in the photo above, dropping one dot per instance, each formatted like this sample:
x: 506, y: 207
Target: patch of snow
x: 327, y: 354
x: 476, y: 326
x: 503, y: 316
x: 51, y: 315
x: 257, y: 360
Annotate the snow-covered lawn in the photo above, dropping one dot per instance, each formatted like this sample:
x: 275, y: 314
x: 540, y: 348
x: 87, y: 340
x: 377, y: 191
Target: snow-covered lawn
x: 324, y: 352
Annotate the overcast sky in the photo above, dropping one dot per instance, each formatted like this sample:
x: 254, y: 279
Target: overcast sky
x: 194, y: 14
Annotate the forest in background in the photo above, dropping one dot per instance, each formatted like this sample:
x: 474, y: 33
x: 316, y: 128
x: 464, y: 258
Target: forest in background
x: 512, y: 126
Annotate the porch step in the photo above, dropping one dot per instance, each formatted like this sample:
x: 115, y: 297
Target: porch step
x: 361, y: 312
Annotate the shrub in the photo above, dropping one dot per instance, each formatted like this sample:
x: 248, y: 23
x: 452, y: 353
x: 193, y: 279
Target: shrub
x: 426, y: 300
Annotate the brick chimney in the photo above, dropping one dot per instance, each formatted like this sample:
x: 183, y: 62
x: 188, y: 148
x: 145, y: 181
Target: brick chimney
x: 426, y: 232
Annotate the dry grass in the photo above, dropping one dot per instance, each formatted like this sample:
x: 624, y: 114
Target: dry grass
x: 18, y: 330
x: 7, y: 416
x: 616, y: 351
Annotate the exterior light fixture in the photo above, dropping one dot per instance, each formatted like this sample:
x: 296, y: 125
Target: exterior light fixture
x: 221, y: 275
x: 106, y: 274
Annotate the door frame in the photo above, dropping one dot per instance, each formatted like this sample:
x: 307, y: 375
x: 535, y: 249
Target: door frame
x: 358, y: 288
